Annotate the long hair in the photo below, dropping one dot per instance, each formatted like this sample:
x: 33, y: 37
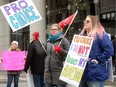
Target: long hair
x: 96, y: 28
x: 17, y: 49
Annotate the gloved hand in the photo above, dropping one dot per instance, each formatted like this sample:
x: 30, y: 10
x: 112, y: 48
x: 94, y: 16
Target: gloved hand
x: 57, y: 49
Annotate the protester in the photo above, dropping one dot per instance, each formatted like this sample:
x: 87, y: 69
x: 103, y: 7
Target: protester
x: 13, y: 73
x: 96, y: 69
x: 56, y: 55
x: 35, y: 60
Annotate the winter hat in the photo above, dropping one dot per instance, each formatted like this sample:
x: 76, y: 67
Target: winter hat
x: 36, y: 35
x: 15, y: 42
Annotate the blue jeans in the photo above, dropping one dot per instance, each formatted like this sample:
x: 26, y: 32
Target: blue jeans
x: 92, y: 84
x: 56, y: 85
x: 38, y: 80
x: 10, y: 78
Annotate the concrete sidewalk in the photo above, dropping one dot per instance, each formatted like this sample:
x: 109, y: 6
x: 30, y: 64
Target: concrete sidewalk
x: 23, y: 79
x: 21, y: 84
x: 3, y: 77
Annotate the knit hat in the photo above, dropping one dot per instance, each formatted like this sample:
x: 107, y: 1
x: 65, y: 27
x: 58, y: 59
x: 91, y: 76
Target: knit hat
x: 15, y: 42
x: 36, y: 35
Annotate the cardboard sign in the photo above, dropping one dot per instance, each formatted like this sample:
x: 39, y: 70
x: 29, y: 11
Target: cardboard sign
x: 20, y: 13
x: 12, y: 60
x: 76, y: 60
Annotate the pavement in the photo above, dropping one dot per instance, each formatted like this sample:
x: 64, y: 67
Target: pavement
x: 21, y: 84
x: 23, y: 80
x: 3, y: 77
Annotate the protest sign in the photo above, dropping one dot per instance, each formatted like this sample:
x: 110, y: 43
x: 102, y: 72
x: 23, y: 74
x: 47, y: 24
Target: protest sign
x: 76, y: 59
x: 20, y: 13
x: 12, y: 60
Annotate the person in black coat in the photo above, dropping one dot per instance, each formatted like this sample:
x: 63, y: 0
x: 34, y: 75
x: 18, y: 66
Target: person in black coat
x: 35, y: 60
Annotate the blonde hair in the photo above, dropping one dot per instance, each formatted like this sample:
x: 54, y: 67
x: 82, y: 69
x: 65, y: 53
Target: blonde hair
x: 55, y: 24
x: 17, y: 48
x: 96, y: 28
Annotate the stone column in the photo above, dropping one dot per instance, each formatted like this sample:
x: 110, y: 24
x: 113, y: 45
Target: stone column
x: 40, y: 25
x: 4, y: 30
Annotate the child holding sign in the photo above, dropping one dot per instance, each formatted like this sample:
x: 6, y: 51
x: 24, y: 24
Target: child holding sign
x: 13, y: 73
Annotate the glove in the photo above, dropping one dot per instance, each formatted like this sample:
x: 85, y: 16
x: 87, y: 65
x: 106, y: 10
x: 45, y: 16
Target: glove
x: 58, y: 49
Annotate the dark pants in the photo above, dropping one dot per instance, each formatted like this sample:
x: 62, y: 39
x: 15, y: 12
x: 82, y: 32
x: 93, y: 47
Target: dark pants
x: 56, y: 85
x: 38, y: 80
x: 10, y: 78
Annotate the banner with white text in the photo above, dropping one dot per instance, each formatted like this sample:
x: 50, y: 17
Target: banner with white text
x: 76, y: 59
x: 20, y: 13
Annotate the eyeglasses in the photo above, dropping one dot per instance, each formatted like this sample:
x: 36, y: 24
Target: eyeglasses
x: 53, y: 29
x: 86, y: 21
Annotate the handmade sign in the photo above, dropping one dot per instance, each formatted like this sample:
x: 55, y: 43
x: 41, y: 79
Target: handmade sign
x: 12, y: 60
x: 20, y: 13
x: 76, y: 59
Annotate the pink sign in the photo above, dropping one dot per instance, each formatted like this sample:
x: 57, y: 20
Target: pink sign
x: 12, y: 60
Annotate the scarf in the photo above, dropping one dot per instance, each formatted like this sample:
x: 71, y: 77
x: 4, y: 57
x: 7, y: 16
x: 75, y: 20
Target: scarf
x: 53, y: 38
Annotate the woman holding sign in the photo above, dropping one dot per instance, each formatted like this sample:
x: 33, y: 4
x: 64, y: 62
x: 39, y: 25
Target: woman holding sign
x: 55, y: 57
x: 96, y: 70
x: 13, y: 73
